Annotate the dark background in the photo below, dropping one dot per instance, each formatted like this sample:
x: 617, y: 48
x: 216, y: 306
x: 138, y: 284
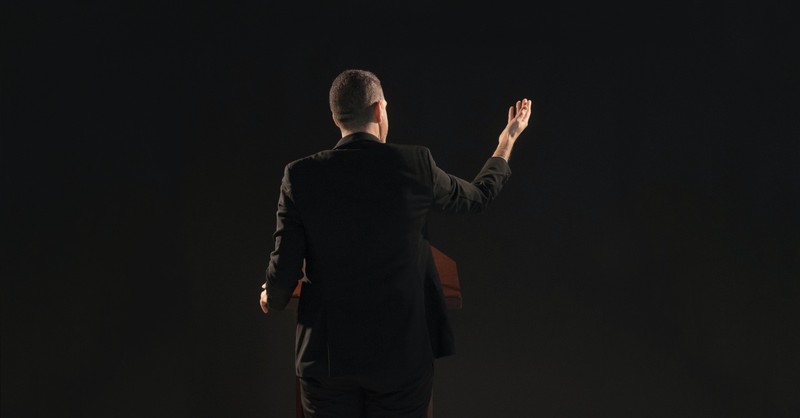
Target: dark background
x: 643, y: 260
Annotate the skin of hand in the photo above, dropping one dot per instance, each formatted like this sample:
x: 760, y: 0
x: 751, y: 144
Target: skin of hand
x: 264, y: 298
x: 519, y: 121
x: 518, y: 117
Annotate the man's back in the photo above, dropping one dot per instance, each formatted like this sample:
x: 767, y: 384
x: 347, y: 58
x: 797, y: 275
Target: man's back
x: 354, y: 216
x: 363, y: 206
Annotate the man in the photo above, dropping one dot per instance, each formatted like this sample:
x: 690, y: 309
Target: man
x: 350, y: 224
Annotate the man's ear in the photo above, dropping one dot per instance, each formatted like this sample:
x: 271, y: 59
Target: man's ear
x: 335, y: 122
x: 378, y: 114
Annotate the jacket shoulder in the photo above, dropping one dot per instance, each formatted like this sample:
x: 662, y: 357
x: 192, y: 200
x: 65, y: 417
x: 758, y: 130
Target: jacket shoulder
x: 308, y: 159
x: 406, y: 150
x: 410, y: 149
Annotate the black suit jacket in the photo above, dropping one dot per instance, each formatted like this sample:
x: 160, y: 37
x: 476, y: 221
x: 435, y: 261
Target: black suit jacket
x: 353, y: 217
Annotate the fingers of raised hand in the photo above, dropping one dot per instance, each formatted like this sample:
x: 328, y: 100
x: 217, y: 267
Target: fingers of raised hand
x: 525, y: 110
x: 521, y: 111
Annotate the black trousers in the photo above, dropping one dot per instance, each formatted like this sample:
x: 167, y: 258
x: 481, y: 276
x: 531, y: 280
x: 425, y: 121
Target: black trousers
x: 362, y: 397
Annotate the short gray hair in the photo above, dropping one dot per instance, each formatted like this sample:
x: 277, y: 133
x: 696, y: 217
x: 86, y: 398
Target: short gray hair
x: 352, y: 94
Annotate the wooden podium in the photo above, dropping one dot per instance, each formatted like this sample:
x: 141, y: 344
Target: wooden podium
x: 451, y: 287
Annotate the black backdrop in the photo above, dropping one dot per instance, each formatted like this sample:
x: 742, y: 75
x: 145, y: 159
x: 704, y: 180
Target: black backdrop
x: 642, y: 260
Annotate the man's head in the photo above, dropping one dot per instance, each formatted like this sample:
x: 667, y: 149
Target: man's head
x: 357, y: 103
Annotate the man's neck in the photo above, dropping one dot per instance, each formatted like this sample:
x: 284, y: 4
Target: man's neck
x: 372, y: 129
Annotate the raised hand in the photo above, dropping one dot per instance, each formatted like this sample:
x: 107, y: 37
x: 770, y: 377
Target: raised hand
x: 518, y: 117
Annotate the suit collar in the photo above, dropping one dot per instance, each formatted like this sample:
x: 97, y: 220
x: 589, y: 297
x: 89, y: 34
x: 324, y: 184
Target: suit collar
x: 356, y: 138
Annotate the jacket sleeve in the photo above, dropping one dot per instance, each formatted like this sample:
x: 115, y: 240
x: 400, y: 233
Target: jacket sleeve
x: 456, y: 195
x: 285, y: 267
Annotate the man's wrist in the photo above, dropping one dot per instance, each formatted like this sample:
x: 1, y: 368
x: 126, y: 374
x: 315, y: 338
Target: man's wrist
x: 503, y: 150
